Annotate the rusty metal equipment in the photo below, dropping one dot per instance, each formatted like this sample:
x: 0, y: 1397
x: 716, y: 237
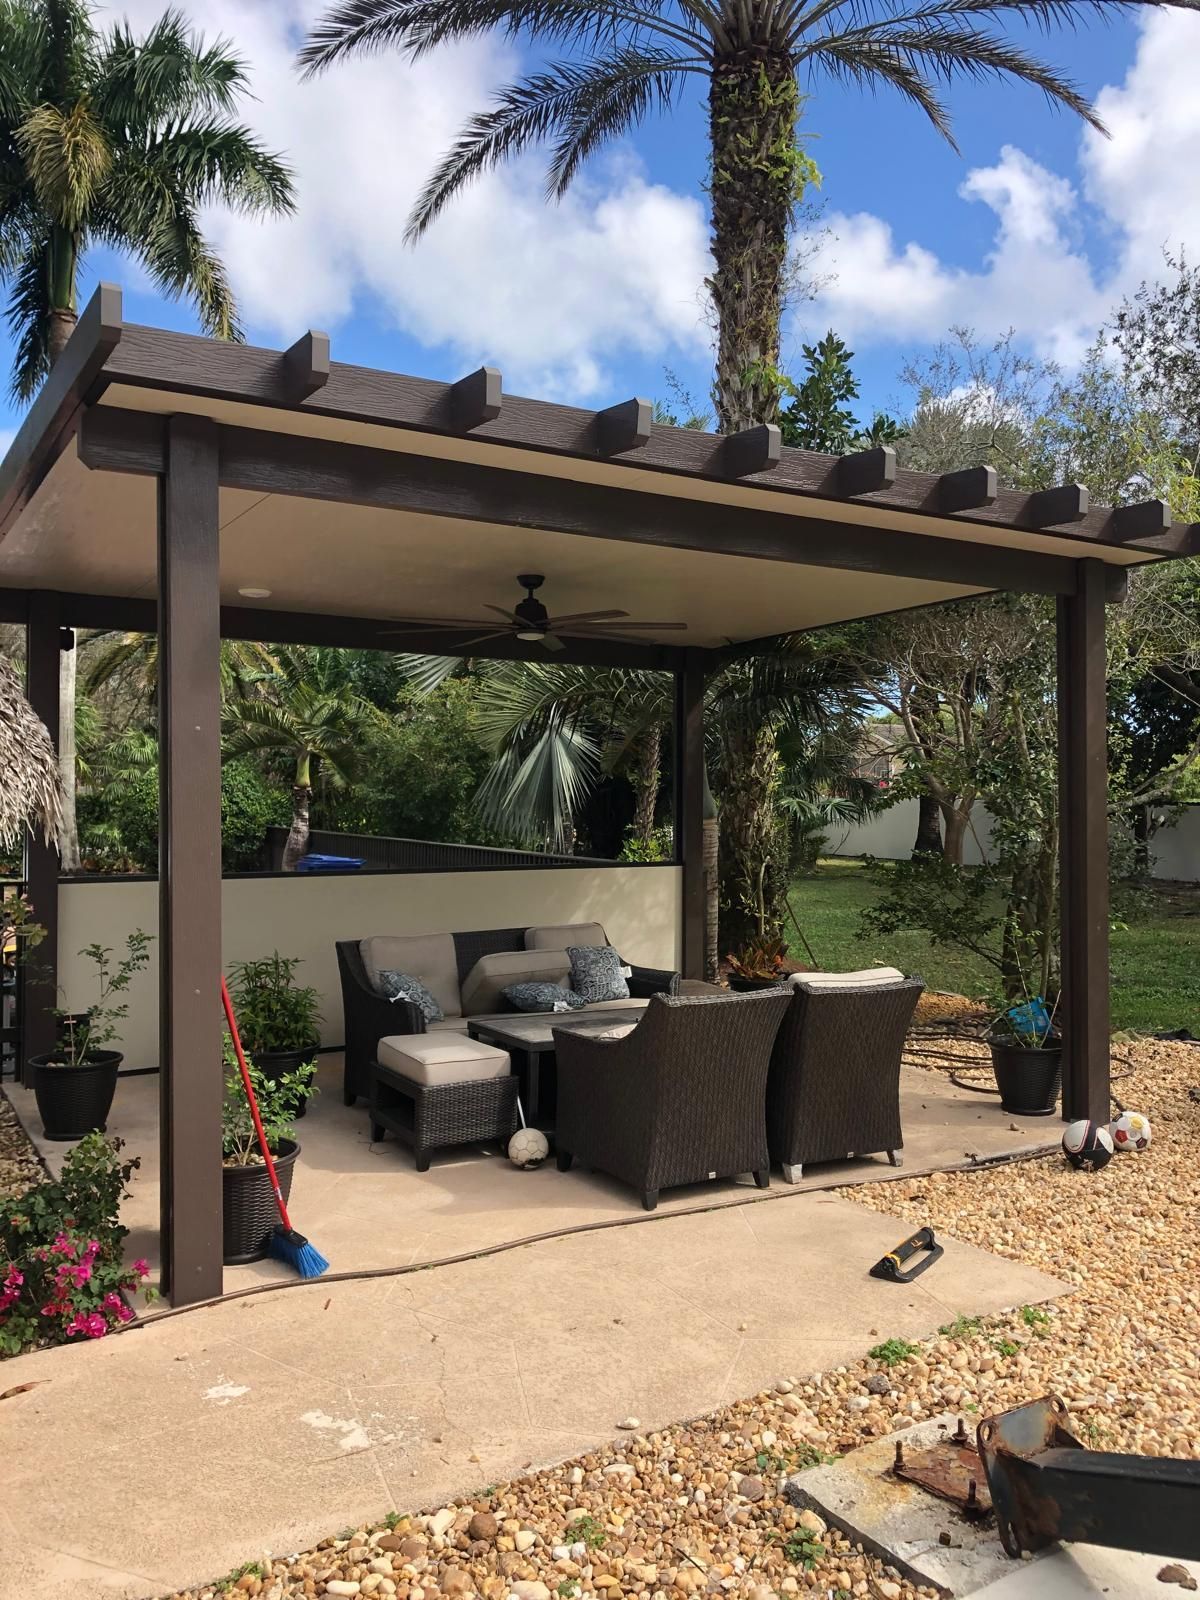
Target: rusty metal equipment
x: 1045, y: 1485
x: 890, y: 1266
x: 950, y: 1469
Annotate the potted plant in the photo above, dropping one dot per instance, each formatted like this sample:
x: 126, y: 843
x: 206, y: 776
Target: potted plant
x: 249, y: 1212
x: 74, y: 1084
x: 757, y: 965
x: 1027, y: 1059
x: 278, y: 1020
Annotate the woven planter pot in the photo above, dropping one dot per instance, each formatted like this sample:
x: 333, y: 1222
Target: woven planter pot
x: 1028, y: 1080
x: 72, y: 1101
x: 249, y: 1212
x: 276, y: 1064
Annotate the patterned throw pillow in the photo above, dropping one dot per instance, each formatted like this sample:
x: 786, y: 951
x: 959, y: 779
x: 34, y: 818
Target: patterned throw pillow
x: 597, y: 973
x: 541, y: 997
x: 399, y: 986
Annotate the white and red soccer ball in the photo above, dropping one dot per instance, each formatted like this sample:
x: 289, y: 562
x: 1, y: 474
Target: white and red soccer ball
x: 1130, y: 1131
x: 1088, y: 1145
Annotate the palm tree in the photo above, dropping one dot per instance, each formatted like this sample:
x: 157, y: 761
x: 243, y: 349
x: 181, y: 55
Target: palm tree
x: 626, y: 59
x: 136, y: 655
x: 110, y: 140
x: 307, y: 710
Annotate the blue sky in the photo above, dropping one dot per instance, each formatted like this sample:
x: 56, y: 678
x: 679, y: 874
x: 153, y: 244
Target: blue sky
x: 1037, y: 224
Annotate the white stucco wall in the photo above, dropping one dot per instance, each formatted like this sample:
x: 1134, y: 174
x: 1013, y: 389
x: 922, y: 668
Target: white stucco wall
x: 1175, y: 851
x: 302, y: 915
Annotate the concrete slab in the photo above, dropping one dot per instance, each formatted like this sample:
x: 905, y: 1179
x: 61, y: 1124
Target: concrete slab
x: 197, y: 1441
x: 1083, y: 1572
x: 365, y: 1206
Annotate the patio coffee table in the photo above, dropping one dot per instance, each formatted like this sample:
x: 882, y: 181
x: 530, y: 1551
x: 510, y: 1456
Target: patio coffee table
x: 528, y: 1037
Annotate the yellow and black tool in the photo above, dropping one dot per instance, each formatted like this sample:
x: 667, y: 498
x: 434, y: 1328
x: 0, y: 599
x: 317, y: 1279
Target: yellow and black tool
x: 891, y: 1267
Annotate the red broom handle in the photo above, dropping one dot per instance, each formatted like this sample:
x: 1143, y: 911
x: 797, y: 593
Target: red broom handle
x: 249, y: 1088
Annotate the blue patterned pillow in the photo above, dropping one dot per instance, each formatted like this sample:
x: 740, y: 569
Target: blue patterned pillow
x: 399, y: 986
x: 541, y: 997
x: 597, y: 973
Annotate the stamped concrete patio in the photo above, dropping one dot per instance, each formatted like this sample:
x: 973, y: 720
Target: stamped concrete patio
x: 367, y: 1208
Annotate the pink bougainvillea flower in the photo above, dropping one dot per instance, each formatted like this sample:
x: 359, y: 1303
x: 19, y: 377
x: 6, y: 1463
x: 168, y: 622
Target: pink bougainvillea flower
x: 125, y: 1314
x: 96, y: 1326
x: 112, y: 1301
x: 141, y: 1267
x: 77, y: 1324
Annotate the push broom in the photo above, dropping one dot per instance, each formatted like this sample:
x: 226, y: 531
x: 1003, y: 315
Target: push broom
x: 288, y: 1246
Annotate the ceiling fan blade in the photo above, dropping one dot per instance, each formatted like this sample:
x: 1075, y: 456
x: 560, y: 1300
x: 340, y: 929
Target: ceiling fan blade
x: 509, y: 616
x: 551, y: 641
x: 482, y: 638
x: 588, y: 616
x: 433, y: 624
x: 624, y: 627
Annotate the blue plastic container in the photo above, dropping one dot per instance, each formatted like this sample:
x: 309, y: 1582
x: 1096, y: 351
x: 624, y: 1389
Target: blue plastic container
x: 318, y: 863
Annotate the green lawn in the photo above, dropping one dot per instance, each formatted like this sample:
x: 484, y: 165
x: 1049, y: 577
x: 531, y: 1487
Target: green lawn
x: 1155, y: 962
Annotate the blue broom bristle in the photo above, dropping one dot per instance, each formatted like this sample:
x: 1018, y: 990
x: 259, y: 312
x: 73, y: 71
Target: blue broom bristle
x: 294, y: 1250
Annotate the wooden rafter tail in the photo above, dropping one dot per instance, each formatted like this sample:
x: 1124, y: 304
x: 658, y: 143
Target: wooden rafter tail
x: 306, y: 364
x: 971, y: 489
x: 476, y: 399
x: 866, y: 471
x: 625, y: 426
x: 1148, y: 520
x: 752, y: 450
x: 1052, y: 508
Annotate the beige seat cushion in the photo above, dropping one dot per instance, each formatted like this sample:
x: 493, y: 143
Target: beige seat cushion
x: 564, y: 936
x: 427, y: 956
x: 435, y: 1059
x: 862, y: 979
x: 483, y: 987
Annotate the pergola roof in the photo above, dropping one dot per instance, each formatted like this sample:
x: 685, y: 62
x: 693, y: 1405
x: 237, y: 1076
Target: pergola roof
x: 364, y: 495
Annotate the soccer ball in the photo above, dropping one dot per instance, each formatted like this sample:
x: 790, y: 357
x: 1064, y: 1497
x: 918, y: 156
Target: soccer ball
x: 1087, y: 1145
x: 1130, y: 1131
x: 528, y: 1148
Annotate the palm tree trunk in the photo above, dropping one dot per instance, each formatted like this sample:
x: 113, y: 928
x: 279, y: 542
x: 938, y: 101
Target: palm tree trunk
x: 68, y: 839
x: 645, y: 783
x: 61, y: 266
x: 750, y: 901
x: 297, y: 839
x: 62, y: 326
x: 752, y: 104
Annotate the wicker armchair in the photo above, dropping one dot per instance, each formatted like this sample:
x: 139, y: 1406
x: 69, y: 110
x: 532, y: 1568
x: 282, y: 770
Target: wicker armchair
x: 679, y: 1099
x: 369, y: 1017
x: 834, y: 1086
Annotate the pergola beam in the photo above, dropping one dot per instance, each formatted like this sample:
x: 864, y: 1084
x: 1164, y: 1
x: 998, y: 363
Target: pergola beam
x: 116, y: 440
x: 160, y: 359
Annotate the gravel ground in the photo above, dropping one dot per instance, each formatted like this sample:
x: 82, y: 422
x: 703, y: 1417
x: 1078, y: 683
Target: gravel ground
x: 20, y: 1168
x: 696, y: 1508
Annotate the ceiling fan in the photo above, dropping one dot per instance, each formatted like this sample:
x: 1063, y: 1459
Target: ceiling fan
x: 529, y: 620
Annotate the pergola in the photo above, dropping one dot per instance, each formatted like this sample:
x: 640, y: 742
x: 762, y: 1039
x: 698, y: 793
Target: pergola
x: 160, y: 475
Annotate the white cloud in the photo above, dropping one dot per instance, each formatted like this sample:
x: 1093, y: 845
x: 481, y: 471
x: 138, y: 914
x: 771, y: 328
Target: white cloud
x: 1137, y: 194
x: 549, y: 293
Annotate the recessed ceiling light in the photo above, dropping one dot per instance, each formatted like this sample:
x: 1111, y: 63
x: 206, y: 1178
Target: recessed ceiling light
x: 255, y: 594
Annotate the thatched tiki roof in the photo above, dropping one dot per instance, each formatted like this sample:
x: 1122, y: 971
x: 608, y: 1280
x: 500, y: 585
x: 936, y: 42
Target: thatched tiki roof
x: 30, y: 787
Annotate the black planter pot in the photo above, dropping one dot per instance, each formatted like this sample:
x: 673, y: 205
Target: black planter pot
x: 72, y: 1101
x: 1028, y: 1079
x: 249, y: 1212
x: 276, y: 1064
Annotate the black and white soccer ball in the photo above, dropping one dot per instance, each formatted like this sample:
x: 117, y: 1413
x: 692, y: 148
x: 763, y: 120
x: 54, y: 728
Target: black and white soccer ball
x: 1087, y: 1145
x: 1130, y: 1131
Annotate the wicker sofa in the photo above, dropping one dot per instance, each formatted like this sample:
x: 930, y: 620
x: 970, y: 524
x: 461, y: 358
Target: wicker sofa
x: 834, y: 1086
x: 678, y: 1098
x: 466, y: 972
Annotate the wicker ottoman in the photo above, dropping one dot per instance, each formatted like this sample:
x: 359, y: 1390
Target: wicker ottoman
x: 436, y: 1089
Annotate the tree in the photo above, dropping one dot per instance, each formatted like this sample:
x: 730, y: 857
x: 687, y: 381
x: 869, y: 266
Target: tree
x: 818, y: 416
x: 110, y: 140
x: 307, y: 711
x: 621, y: 63
x: 1157, y: 335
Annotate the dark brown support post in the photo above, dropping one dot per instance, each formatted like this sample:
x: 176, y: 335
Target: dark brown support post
x: 689, y: 806
x: 1083, y: 823
x: 189, y: 870
x: 39, y: 995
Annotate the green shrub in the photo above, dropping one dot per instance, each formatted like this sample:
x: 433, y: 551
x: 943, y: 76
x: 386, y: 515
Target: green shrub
x: 61, y: 1272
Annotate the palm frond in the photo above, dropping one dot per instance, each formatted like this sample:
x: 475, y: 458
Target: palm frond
x: 172, y: 249
x: 28, y: 318
x: 536, y: 792
x: 869, y: 65
x: 168, y: 75
x: 426, y: 673
x: 218, y: 162
x: 585, y: 103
